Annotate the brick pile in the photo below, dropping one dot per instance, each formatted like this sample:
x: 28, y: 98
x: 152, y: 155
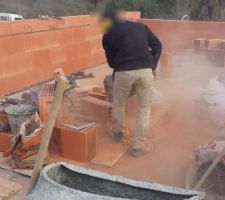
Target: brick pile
x: 31, y: 49
x: 214, y: 49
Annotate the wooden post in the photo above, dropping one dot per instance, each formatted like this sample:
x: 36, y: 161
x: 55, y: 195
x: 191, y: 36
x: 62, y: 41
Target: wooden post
x: 210, y: 170
x: 57, y: 101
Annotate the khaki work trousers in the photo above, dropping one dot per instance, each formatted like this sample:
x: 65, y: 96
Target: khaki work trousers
x: 125, y: 82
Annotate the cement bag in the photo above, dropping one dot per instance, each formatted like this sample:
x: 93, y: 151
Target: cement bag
x: 218, y: 115
x: 208, y: 152
x: 25, y: 145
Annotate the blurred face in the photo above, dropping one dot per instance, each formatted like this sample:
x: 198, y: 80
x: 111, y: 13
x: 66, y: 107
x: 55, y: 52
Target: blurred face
x: 106, y: 24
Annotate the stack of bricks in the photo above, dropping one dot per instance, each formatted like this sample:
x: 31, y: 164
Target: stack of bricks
x: 200, y: 44
x: 45, y: 102
x: 214, y: 49
x: 31, y: 49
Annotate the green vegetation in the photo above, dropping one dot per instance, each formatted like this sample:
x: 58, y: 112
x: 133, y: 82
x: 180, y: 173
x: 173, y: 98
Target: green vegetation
x: 148, y: 8
x: 164, y: 9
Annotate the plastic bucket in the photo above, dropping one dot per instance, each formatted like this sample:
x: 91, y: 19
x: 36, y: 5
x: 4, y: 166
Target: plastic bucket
x: 18, y: 114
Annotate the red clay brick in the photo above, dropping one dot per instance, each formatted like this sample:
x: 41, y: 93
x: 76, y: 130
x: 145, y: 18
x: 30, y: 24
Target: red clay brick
x: 74, y: 21
x: 5, y: 142
x: 79, y: 145
x: 33, y: 42
x: 5, y: 28
x: 66, y: 36
x: 96, y: 44
x: 58, y: 54
x: 96, y: 110
x: 79, y: 34
x: 13, y: 44
x: 94, y: 31
x: 84, y: 48
x: 41, y: 58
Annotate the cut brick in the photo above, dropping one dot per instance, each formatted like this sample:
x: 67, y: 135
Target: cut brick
x: 79, y: 145
x: 5, y: 141
x: 97, y: 110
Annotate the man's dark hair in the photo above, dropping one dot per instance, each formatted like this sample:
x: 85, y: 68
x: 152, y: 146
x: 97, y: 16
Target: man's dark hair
x: 111, y: 14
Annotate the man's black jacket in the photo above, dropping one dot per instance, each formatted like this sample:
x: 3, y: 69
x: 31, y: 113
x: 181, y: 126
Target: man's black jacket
x: 131, y: 46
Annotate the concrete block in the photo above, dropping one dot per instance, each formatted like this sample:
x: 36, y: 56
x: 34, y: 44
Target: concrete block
x: 79, y: 145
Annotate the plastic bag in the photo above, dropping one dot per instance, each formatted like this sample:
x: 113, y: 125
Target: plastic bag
x: 208, y: 152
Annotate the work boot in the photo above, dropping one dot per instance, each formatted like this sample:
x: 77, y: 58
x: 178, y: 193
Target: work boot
x: 141, y: 151
x: 118, y: 137
x: 138, y: 152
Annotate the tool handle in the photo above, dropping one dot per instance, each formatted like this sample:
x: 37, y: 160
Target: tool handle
x: 210, y: 169
x: 57, y: 102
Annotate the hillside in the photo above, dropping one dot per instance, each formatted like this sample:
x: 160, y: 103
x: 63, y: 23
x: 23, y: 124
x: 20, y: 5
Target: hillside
x: 33, y: 8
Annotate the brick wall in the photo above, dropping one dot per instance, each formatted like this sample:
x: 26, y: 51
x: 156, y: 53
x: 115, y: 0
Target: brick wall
x: 31, y: 49
x: 178, y: 36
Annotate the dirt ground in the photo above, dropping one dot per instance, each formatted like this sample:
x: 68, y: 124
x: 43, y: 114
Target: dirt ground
x: 186, y: 125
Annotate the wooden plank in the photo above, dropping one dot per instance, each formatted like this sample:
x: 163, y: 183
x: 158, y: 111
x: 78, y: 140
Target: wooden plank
x: 8, y: 188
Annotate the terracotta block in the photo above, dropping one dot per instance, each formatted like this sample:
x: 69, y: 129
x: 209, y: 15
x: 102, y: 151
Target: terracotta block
x: 14, y: 65
x: 96, y: 44
x: 84, y: 48
x: 5, y: 141
x: 200, y: 43
x: 79, y: 34
x: 58, y: 54
x: 56, y: 24
x: 94, y: 31
x: 66, y: 36
x: 96, y: 110
x: 73, y: 21
x: 33, y: 42
x: 38, y: 24
x: 101, y: 58
x: 49, y: 38
x: 213, y: 43
x: 45, y: 102
x: 166, y: 65
x: 13, y: 44
x: 79, y: 145
x: 4, y: 117
x: 5, y: 28
x: 41, y: 58
x: 21, y: 26
x: 222, y: 45
x: 72, y: 51
x: 55, y: 142
x: 81, y: 62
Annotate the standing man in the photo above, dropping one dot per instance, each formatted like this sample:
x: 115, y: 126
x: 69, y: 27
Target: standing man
x: 133, y: 52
